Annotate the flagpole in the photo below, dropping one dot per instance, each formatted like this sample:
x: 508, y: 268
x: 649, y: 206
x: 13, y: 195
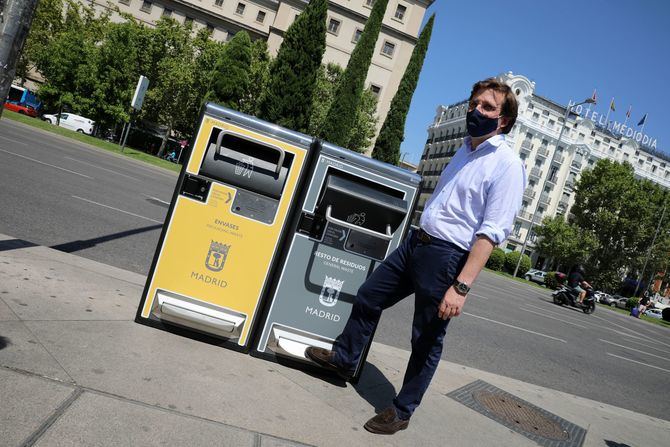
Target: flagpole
x: 607, y: 118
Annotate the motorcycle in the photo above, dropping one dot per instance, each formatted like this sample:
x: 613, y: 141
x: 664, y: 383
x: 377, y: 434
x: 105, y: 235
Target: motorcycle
x: 565, y: 295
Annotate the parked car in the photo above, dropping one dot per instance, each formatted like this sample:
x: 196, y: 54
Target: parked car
x: 620, y: 302
x: 73, y: 122
x: 603, y: 297
x: 535, y: 276
x: 23, y: 109
x: 654, y: 313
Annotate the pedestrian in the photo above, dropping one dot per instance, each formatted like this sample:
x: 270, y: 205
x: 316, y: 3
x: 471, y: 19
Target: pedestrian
x: 471, y: 211
x: 644, y: 304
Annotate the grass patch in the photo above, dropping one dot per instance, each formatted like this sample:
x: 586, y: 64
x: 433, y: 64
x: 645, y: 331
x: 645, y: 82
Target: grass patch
x: 515, y: 278
x: 101, y: 144
x: 657, y: 321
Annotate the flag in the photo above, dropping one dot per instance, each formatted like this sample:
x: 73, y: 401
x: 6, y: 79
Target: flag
x: 644, y: 118
x: 612, y: 108
x: 629, y: 110
x: 594, y: 97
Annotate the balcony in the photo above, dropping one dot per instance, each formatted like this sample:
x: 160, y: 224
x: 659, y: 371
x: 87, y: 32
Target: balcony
x: 536, y: 173
x: 576, y: 163
x: 552, y: 179
x: 543, y: 152
x: 526, y: 147
x: 563, y: 204
x: 529, y: 193
x: 559, y: 160
x: 545, y: 199
x: 525, y: 215
x: 570, y: 184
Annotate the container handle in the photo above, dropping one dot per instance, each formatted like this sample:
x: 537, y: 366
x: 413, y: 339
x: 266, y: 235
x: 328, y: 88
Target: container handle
x: 387, y: 237
x: 282, y: 154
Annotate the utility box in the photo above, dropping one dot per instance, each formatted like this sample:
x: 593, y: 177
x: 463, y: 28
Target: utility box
x: 355, y: 212
x: 226, y: 222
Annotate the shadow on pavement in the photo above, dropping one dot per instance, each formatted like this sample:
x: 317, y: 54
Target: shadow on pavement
x: 73, y: 246
x: 15, y: 244
x: 4, y: 342
x: 375, y: 388
x: 615, y: 444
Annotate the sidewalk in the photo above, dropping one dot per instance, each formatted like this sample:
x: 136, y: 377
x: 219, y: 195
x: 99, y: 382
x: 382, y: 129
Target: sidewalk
x: 78, y: 371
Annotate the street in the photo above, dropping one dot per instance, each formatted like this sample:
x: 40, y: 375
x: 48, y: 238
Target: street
x: 101, y: 206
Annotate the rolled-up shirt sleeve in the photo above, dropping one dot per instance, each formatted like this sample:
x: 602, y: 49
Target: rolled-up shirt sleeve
x: 503, y: 202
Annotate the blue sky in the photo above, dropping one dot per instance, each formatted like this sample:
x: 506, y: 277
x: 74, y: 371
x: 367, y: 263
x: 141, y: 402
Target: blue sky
x: 568, y: 47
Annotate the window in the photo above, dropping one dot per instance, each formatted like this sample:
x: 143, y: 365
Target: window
x: 167, y: 12
x: 375, y: 89
x: 517, y: 228
x: 240, y: 8
x: 551, y: 124
x: 545, y: 143
x: 146, y: 6
x: 400, y: 12
x: 545, y: 113
x: 536, y: 116
x: 334, y: 26
x: 210, y: 27
x: 357, y: 36
x: 388, y: 49
x: 511, y: 247
x: 218, y: 3
x: 597, y: 143
x: 369, y: 3
x: 260, y: 17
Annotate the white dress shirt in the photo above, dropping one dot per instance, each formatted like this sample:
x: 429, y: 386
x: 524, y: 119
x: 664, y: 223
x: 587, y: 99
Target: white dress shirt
x: 479, y: 193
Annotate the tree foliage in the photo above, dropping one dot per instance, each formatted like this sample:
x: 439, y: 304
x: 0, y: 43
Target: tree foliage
x: 511, y: 260
x: 496, y: 260
x: 565, y: 243
x: 392, y: 133
x: 230, y: 81
x: 365, y: 122
x: 287, y: 100
x: 337, y: 128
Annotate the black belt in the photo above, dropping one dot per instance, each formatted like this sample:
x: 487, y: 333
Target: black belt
x: 427, y: 239
x: 424, y: 237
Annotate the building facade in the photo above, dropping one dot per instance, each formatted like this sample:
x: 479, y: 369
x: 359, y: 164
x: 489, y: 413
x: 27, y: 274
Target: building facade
x: 269, y: 20
x: 552, y: 169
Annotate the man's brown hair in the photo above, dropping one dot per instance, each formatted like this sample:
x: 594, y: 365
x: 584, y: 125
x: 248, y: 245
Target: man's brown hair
x: 510, y: 106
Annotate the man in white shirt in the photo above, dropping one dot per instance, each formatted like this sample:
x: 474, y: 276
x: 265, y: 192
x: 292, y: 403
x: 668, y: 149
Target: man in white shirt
x: 471, y: 211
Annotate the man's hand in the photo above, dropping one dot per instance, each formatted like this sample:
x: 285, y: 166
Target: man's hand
x: 451, y: 304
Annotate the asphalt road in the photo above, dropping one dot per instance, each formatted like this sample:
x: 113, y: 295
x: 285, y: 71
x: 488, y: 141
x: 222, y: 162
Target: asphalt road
x: 62, y: 194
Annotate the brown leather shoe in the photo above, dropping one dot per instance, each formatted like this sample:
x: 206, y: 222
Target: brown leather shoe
x: 386, y: 423
x: 324, y: 358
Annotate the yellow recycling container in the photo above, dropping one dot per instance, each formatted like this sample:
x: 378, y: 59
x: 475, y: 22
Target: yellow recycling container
x: 226, y: 222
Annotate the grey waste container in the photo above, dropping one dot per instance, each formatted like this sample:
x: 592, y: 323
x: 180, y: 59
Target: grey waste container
x: 354, y: 213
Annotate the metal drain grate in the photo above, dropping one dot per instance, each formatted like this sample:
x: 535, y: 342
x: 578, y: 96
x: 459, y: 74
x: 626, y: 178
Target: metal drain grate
x: 537, y: 424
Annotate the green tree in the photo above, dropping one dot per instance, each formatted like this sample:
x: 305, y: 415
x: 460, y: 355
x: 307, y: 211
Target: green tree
x: 259, y: 73
x: 231, y: 77
x: 496, y: 260
x: 365, y: 123
x: 564, y: 243
x: 287, y: 100
x: 620, y: 213
x: 511, y: 260
x: 342, y: 113
x: 171, y: 98
x: 392, y: 133
x: 47, y: 24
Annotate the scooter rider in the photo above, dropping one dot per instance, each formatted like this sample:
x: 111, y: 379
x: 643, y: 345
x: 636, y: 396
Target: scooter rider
x: 576, y: 281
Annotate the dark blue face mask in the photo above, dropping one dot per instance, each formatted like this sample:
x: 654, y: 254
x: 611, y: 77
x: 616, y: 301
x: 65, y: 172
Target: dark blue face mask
x: 480, y: 125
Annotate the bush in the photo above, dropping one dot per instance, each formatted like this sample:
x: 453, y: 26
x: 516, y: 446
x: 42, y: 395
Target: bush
x: 632, y: 302
x: 496, y: 260
x: 512, y: 258
x: 550, y: 280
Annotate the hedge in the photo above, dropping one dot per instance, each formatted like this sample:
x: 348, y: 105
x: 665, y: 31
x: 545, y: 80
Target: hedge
x: 496, y: 260
x: 511, y: 260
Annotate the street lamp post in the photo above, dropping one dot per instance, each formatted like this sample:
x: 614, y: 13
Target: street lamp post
x: 544, y: 184
x: 651, y: 247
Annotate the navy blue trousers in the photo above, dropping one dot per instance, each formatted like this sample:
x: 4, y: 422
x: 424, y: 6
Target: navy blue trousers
x: 427, y: 270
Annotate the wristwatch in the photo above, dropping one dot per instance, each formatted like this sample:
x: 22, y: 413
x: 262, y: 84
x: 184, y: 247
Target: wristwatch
x: 461, y: 287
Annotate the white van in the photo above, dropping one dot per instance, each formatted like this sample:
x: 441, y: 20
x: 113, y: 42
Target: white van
x: 72, y: 122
